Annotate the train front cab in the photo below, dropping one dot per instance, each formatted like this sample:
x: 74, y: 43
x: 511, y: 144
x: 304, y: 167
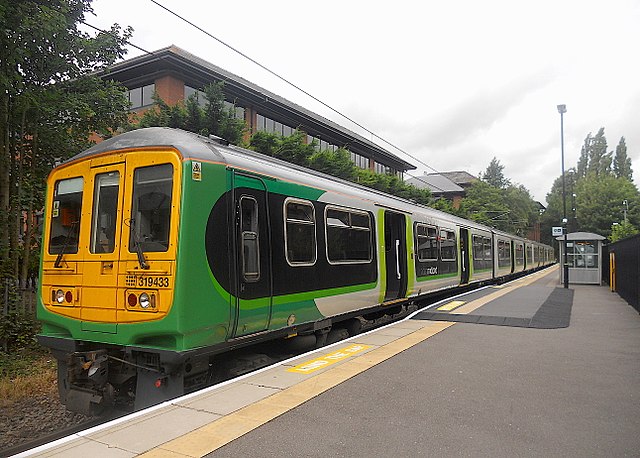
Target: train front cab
x: 108, y: 261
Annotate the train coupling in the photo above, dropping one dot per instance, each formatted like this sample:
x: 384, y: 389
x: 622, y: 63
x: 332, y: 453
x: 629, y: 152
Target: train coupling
x: 88, y: 390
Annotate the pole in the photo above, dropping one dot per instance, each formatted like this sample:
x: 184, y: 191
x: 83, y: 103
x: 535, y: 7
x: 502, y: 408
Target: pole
x: 562, y: 110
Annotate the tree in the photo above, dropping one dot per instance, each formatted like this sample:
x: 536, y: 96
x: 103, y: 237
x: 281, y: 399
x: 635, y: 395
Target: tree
x: 583, y: 162
x: 554, y: 212
x: 494, y: 174
x: 484, y: 203
x: 599, y: 160
x: 599, y: 203
x: 621, y: 162
x: 622, y: 230
x: 50, y: 103
x: 212, y: 119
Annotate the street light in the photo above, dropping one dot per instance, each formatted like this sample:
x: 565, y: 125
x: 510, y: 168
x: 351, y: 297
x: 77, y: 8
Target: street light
x: 562, y: 109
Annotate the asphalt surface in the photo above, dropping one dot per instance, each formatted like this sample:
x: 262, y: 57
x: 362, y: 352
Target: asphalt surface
x: 482, y: 390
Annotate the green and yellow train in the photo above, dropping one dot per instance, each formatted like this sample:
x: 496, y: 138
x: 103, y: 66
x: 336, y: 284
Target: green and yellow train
x: 163, y: 249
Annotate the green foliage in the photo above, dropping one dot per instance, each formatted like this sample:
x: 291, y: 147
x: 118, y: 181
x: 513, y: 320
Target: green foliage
x: 17, y: 330
x: 622, y: 231
x: 484, y: 203
x: 337, y: 163
x: 595, y: 191
x: 599, y: 203
x: 212, y: 119
x: 621, y: 162
x: 50, y: 103
x: 494, y: 174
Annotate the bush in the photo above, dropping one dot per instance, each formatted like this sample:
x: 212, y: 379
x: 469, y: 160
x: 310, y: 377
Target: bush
x: 17, y: 331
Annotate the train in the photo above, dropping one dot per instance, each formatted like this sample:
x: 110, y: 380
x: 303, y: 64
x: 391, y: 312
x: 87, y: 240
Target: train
x: 163, y: 250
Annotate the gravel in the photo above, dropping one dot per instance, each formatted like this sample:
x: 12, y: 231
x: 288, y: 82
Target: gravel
x: 29, y: 419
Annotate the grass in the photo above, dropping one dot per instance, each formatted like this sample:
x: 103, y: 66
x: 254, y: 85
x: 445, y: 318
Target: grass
x: 26, y: 373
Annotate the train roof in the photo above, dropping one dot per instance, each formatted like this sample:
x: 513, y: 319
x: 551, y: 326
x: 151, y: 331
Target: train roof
x: 197, y: 147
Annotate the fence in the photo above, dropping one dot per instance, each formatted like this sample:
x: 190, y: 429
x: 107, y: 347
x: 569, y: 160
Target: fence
x: 627, y: 269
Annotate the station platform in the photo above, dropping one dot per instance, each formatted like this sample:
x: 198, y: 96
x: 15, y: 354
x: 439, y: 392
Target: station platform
x: 522, y: 369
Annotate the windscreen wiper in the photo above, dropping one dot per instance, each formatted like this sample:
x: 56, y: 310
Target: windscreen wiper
x: 140, y: 254
x: 58, y: 262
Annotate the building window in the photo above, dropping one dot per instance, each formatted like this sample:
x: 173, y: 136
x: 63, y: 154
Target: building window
x: 582, y: 254
x: 360, y: 161
x: 141, y: 96
x: 264, y: 124
x: 202, y: 100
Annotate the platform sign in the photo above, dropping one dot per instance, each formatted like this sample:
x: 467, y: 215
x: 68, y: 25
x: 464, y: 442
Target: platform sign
x: 556, y: 231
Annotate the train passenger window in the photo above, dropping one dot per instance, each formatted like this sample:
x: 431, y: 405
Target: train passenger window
x: 478, y: 248
x: 519, y: 254
x: 300, y: 233
x: 151, y: 208
x: 486, y: 243
x: 504, y: 253
x: 250, y: 239
x: 447, y: 245
x: 348, y: 236
x: 105, y: 211
x: 66, y: 209
x: 427, y: 243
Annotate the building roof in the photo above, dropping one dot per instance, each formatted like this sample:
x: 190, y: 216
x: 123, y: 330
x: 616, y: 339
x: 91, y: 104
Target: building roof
x: 459, y: 177
x: 575, y: 236
x: 437, y: 184
x: 197, y: 72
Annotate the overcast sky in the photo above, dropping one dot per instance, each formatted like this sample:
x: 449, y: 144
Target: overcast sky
x: 453, y: 83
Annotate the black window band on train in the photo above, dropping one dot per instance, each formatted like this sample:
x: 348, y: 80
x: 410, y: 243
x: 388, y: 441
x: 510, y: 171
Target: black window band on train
x: 427, y: 237
x: 447, y: 245
x: 151, y: 207
x: 301, y: 248
x: 250, y: 239
x: 348, y: 235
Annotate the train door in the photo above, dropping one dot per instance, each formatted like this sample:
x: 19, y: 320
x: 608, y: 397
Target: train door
x: 395, y: 241
x: 465, y: 259
x: 252, y: 245
x: 100, y: 275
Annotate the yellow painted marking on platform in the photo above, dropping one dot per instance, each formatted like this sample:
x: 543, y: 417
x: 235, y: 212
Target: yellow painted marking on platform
x: 506, y: 289
x: 450, y: 306
x: 212, y: 436
x: 324, y: 361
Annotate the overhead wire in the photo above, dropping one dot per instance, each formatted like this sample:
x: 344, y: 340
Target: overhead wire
x: 280, y: 77
x: 419, y: 179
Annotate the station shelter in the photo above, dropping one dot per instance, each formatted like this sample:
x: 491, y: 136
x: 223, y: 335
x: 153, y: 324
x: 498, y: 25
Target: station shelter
x: 584, y: 253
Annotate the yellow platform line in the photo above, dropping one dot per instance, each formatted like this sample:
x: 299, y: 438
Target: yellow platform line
x: 506, y: 289
x: 212, y: 436
x: 450, y: 306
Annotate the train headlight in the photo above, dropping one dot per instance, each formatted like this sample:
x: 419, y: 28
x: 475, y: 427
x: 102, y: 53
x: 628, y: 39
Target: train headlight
x: 59, y: 296
x: 145, y: 302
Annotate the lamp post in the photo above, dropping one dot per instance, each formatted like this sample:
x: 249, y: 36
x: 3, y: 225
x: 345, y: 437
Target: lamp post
x: 562, y: 109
